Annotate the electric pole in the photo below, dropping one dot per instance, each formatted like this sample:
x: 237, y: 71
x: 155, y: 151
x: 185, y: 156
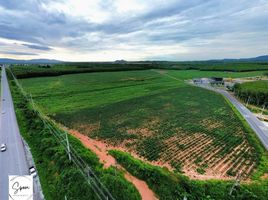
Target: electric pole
x: 248, y: 101
x: 263, y: 108
x: 68, y: 146
x: 236, y: 183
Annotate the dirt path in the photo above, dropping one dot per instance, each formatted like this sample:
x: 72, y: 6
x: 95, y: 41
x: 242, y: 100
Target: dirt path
x: 145, y: 192
x: 100, y: 149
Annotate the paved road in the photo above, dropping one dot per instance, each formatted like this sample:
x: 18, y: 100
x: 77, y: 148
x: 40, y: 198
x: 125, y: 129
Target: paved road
x: 258, y: 126
x: 13, y: 161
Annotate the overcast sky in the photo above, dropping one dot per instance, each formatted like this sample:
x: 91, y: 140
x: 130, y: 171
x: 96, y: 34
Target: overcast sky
x: 107, y: 30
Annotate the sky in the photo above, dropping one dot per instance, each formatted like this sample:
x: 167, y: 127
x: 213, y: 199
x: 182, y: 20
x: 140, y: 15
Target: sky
x: 108, y: 30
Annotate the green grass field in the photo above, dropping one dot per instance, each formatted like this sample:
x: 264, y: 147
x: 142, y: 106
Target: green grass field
x: 72, y: 92
x: 189, y: 74
x: 78, y: 91
x: 255, y: 86
x: 160, y: 118
x: 235, y: 66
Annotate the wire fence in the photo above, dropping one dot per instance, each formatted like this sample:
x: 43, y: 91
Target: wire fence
x: 62, y: 138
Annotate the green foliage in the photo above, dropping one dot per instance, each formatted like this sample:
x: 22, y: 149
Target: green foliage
x: 214, y: 66
x: 28, y: 71
x: 161, y: 181
x: 59, y: 176
x: 254, y: 92
x: 169, y: 110
x: 118, y: 186
x: 201, y: 170
x: 110, y: 105
x: 190, y: 74
x: 78, y: 91
x: 170, y: 186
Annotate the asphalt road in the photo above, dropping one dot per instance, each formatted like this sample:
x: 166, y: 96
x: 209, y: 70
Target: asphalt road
x: 258, y: 126
x: 13, y: 160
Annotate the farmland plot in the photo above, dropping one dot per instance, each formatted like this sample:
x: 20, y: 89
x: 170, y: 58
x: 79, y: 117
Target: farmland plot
x: 161, y: 120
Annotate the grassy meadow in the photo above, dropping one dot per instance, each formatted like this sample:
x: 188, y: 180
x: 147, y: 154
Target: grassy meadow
x: 97, y: 89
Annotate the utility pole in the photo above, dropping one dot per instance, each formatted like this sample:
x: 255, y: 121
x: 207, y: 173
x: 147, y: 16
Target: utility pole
x: 68, y: 146
x: 248, y: 101
x: 32, y: 101
x: 263, y: 108
x: 236, y: 183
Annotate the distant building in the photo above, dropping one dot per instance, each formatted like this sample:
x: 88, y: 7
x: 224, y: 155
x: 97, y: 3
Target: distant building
x: 217, y: 80
x: 197, y: 80
x: 201, y: 80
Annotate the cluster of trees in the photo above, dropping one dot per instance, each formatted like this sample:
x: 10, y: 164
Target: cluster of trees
x: 35, y: 70
x: 169, y: 186
x: 60, y: 177
x: 30, y: 71
x: 255, y: 93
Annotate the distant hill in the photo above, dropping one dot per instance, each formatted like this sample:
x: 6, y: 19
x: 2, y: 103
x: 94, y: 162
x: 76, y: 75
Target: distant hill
x: 259, y: 58
x: 263, y: 58
x: 33, y: 61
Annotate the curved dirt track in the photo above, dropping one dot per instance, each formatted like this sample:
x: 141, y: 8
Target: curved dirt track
x: 100, y: 149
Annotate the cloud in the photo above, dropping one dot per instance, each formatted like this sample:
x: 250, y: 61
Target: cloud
x: 109, y: 30
x: 18, y: 53
x: 33, y: 46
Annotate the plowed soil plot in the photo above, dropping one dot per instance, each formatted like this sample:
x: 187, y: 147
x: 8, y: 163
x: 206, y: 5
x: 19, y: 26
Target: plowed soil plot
x: 162, y: 120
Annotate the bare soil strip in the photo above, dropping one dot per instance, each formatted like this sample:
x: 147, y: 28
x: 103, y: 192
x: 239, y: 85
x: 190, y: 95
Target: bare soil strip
x: 101, y: 149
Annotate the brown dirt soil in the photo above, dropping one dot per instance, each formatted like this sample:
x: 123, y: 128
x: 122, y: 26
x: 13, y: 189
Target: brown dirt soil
x: 265, y: 176
x: 101, y: 149
x: 144, y: 132
x: 98, y: 147
x: 144, y: 190
x: 153, y: 122
x: 162, y: 71
x: 210, y: 124
x: 89, y: 127
x: 210, y: 174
